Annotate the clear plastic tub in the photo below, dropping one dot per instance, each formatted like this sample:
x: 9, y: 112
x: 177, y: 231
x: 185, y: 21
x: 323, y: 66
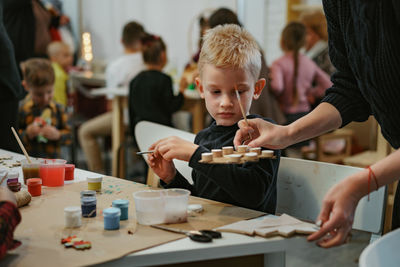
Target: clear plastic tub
x: 161, y: 206
x: 30, y: 170
x: 52, y: 172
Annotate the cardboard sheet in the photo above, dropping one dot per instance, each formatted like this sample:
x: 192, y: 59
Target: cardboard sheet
x: 42, y: 226
x: 284, y: 225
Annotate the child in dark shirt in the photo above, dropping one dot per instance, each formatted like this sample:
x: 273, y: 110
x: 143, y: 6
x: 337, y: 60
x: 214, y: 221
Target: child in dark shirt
x: 229, y: 59
x: 151, y: 96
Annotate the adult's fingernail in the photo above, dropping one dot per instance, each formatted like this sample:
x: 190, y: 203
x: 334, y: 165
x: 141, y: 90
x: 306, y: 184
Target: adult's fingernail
x: 318, y: 223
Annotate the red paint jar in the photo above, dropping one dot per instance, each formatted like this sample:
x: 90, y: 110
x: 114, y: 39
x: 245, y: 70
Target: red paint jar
x: 69, y: 172
x: 34, y: 186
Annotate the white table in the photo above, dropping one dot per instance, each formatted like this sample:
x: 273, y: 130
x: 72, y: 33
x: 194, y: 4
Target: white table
x: 186, y: 250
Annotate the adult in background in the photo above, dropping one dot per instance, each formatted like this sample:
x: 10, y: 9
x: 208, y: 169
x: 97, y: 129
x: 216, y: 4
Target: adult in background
x: 363, y: 46
x: 10, y: 89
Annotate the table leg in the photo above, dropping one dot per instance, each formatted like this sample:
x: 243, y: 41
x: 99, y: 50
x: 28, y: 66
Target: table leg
x: 118, y: 136
x: 275, y: 259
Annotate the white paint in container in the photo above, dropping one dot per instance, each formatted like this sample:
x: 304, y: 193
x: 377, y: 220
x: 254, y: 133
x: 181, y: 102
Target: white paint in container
x: 72, y: 216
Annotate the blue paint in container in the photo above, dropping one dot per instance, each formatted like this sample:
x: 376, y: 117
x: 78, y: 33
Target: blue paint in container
x: 111, y: 218
x: 88, y: 205
x: 122, y: 204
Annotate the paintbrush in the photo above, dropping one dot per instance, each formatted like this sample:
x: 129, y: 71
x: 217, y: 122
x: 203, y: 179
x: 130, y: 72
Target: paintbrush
x: 21, y: 145
x: 145, y: 152
x: 241, y: 109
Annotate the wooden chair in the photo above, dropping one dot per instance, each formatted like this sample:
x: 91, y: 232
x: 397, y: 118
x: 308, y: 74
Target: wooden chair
x: 302, y: 185
x: 324, y: 156
x: 148, y: 133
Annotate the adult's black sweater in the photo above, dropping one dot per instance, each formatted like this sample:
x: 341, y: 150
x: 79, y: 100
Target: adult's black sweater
x: 364, y: 46
x: 151, y: 98
x: 251, y: 185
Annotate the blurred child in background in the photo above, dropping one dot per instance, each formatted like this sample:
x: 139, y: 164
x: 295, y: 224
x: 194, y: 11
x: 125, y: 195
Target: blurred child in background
x: 61, y: 57
x: 42, y: 122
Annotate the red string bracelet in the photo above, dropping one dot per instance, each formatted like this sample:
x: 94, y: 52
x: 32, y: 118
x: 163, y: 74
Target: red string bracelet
x: 371, y: 174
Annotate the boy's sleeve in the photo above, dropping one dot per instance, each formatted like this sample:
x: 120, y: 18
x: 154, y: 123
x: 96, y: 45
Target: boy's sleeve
x: 246, y: 183
x: 9, y: 219
x: 179, y: 182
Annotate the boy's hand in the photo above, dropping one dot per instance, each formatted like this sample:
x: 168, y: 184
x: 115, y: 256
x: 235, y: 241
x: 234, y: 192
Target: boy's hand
x: 174, y: 148
x: 163, y: 168
x: 33, y: 130
x: 51, y: 132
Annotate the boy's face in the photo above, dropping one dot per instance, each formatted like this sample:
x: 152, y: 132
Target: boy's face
x: 64, y: 58
x: 217, y: 87
x: 42, y: 95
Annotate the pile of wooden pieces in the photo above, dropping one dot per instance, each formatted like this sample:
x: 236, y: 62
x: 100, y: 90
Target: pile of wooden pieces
x: 243, y: 154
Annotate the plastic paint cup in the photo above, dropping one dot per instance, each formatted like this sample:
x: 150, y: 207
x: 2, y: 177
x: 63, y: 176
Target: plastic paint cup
x: 72, y: 216
x: 30, y: 170
x: 88, y: 205
x: 52, y: 172
x: 12, y: 177
x: 123, y: 205
x: 111, y: 218
x: 34, y: 186
x: 176, y: 205
x: 94, y: 183
x: 69, y: 172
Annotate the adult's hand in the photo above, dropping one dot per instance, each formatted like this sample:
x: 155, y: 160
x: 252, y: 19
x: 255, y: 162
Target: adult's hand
x: 337, y: 213
x: 263, y: 133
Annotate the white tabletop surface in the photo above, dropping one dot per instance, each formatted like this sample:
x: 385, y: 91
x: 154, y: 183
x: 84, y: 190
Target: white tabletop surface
x: 186, y: 250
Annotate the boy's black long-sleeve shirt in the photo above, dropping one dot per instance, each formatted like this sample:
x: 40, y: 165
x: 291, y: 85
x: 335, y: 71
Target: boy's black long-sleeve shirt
x: 251, y: 185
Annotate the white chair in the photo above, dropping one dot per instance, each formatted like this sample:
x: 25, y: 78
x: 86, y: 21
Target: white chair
x: 302, y: 185
x: 383, y: 252
x: 147, y: 133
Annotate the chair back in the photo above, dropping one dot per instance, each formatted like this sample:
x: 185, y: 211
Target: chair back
x: 302, y: 185
x: 147, y: 133
x: 382, y: 252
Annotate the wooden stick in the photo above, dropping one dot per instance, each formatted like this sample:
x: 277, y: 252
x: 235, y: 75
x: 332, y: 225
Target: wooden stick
x: 145, y: 152
x: 21, y: 145
x: 241, y: 108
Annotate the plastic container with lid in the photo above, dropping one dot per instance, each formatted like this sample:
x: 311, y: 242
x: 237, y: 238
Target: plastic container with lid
x: 111, y: 218
x: 88, y: 205
x: 52, y: 172
x: 123, y: 205
x: 69, y: 172
x: 73, y: 216
x: 12, y: 176
x: 34, y: 186
x: 30, y: 170
x: 94, y: 183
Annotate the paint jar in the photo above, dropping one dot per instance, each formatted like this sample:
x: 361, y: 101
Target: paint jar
x: 69, y: 172
x: 14, y: 186
x: 34, y: 186
x: 111, y: 218
x: 30, y: 170
x: 3, y: 177
x: 176, y: 203
x: 72, y: 216
x: 149, y: 206
x: 52, y: 172
x: 94, y: 183
x: 12, y: 176
x: 88, y: 205
x: 123, y: 205
x: 88, y: 193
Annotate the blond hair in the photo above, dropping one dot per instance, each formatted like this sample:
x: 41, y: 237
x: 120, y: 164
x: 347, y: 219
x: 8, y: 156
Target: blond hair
x: 230, y: 46
x: 316, y: 21
x: 56, y: 47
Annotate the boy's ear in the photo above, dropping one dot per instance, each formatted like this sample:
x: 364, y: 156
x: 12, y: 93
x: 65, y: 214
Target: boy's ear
x: 258, y: 87
x: 25, y: 85
x: 199, y: 86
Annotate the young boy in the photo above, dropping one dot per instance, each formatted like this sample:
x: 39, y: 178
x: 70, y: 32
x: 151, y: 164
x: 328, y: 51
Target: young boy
x: 119, y: 73
x: 42, y: 122
x: 229, y: 59
x: 61, y: 57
